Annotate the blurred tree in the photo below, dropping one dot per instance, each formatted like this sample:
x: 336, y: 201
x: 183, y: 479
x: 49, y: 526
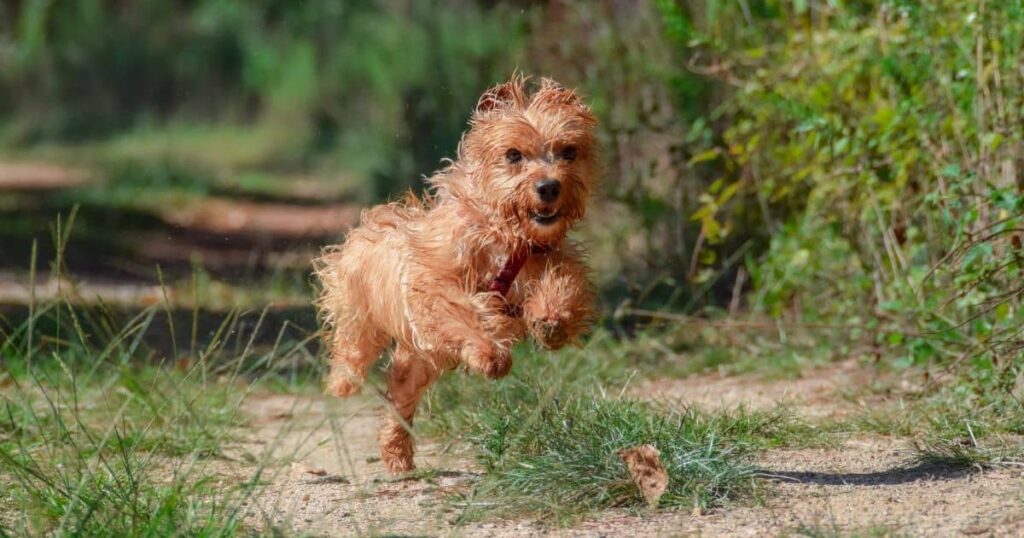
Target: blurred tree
x: 377, y: 88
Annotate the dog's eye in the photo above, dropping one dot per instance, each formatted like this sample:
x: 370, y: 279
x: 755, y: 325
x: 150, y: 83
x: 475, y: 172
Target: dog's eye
x: 568, y: 153
x: 513, y: 156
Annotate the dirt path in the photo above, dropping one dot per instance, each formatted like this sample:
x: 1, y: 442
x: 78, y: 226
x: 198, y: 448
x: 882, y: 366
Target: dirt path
x: 280, y: 220
x: 38, y: 176
x: 833, y: 391
x: 327, y: 481
x: 326, y: 478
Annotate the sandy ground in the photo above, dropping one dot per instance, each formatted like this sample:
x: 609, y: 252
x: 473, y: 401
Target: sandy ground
x: 833, y: 391
x: 214, y: 215
x: 38, y: 176
x: 225, y: 216
x: 326, y: 480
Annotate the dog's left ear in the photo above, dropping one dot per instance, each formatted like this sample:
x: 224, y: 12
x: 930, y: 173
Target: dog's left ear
x: 554, y: 93
x: 508, y: 94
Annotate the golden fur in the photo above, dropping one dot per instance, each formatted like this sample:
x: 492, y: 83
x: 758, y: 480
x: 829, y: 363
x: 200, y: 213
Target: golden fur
x: 416, y: 273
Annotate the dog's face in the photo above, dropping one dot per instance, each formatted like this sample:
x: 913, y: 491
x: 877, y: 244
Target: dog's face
x: 534, y: 157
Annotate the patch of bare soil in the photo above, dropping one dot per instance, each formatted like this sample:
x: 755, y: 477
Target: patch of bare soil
x: 326, y: 480
x: 225, y: 216
x: 818, y: 393
x: 325, y: 477
x: 31, y: 176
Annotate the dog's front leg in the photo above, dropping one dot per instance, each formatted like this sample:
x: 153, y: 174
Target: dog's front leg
x: 446, y: 317
x: 560, y: 301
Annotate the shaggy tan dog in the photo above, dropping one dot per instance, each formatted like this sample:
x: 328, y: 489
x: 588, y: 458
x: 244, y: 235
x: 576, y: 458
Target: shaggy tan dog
x: 475, y: 266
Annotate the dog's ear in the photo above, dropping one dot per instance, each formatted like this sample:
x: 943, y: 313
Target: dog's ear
x: 507, y: 95
x: 552, y: 96
x: 552, y: 92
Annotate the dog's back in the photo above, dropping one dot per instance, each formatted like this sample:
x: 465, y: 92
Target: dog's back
x: 361, y: 277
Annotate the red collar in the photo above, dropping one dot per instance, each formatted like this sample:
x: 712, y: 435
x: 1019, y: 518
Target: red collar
x: 503, y: 282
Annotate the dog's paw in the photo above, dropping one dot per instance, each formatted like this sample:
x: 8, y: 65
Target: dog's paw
x: 499, y: 366
x: 550, y: 333
x: 490, y: 360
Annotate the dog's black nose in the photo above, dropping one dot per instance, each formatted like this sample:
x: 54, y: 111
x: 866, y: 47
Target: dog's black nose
x: 548, y: 189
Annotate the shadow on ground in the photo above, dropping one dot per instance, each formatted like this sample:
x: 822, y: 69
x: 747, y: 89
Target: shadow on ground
x: 890, y: 477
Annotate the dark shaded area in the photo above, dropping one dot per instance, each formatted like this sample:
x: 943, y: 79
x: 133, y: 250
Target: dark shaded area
x: 120, y: 229
x: 106, y: 243
x: 235, y: 330
x: 927, y: 471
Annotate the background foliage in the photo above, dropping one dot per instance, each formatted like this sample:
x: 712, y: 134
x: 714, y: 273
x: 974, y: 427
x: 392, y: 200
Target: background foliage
x: 851, y: 162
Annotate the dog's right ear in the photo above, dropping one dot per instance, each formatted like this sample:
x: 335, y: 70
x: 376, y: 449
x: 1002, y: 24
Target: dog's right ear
x: 507, y: 95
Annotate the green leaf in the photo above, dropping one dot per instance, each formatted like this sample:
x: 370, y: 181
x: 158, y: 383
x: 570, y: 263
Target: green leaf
x: 705, y: 156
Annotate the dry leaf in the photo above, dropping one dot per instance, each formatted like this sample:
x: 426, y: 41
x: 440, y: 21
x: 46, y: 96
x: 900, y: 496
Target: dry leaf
x: 644, y: 463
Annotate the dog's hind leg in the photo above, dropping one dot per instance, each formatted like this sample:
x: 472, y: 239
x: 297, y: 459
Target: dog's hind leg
x: 355, y: 346
x: 409, y: 378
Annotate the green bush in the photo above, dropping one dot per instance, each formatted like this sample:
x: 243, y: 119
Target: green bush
x: 880, y: 144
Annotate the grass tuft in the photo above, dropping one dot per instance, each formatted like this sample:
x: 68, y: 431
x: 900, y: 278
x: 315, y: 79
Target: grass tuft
x: 564, y: 459
x: 101, y: 435
x: 548, y: 438
x: 968, y: 452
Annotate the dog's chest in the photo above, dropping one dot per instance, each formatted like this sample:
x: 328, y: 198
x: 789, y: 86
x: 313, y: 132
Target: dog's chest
x: 505, y: 274
x: 491, y: 264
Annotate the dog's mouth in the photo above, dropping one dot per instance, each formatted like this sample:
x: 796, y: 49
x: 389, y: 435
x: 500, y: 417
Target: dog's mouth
x: 545, y: 218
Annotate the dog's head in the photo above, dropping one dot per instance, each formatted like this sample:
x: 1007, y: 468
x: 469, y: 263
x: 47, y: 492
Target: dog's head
x: 532, y: 157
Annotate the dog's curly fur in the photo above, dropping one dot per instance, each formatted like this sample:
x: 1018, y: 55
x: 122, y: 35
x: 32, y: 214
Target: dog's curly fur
x: 417, y: 273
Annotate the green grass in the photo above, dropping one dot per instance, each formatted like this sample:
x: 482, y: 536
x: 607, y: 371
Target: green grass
x: 957, y: 423
x: 102, y: 436
x: 897, y: 399
x: 548, y: 437
x: 564, y: 460
x: 112, y: 446
x: 942, y: 412
x: 969, y: 452
x: 221, y: 147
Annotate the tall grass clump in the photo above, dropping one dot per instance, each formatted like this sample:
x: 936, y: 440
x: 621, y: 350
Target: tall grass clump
x: 102, y: 435
x: 565, y: 459
x: 548, y: 437
x: 95, y: 441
